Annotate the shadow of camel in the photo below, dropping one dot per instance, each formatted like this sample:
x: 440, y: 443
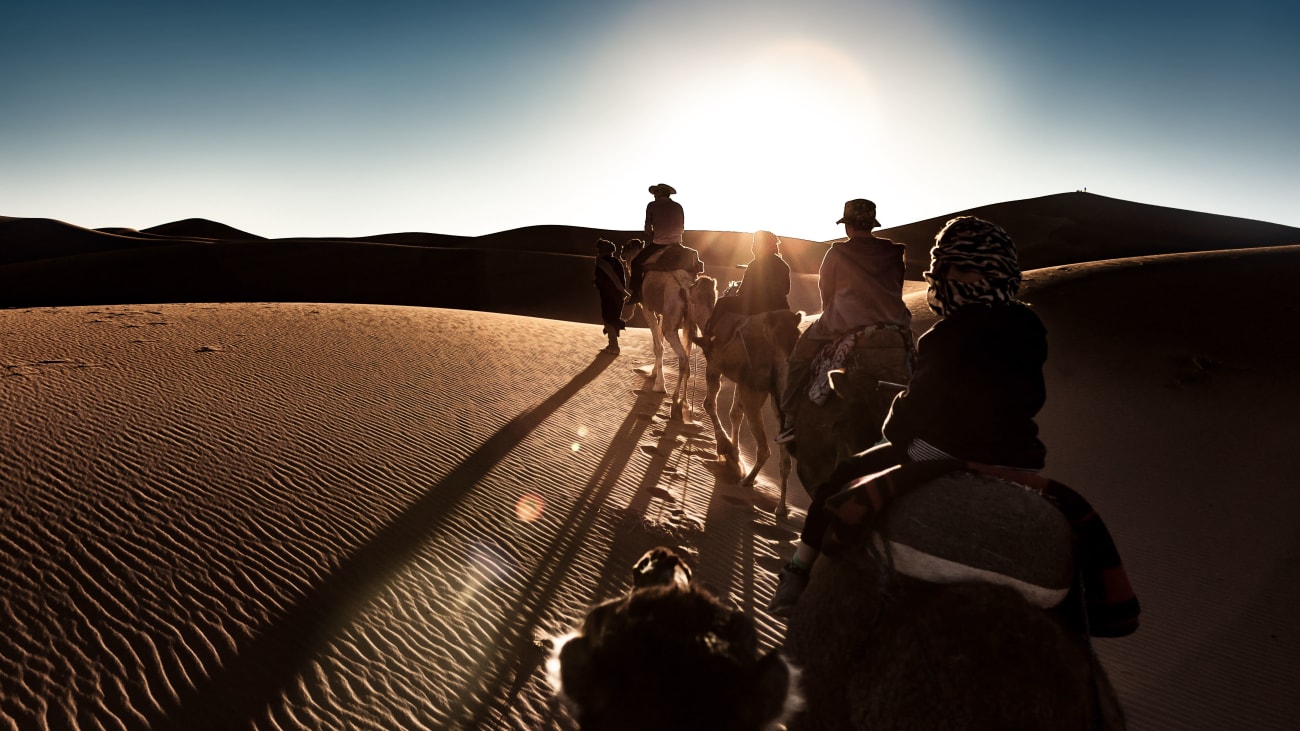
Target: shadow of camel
x: 517, y: 650
x: 261, y: 669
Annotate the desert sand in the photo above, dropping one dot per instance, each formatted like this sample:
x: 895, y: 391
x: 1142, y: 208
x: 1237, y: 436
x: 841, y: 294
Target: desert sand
x: 223, y: 514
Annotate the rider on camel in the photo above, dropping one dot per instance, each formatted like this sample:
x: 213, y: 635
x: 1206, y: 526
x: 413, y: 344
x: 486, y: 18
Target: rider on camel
x: 861, y: 282
x: 665, y: 222
x: 764, y: 288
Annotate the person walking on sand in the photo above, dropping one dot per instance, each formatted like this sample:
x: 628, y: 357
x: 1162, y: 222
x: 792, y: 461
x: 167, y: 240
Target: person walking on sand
x: 611, y: 282
x: 977, y: 387
x: 665, y: 222
x: 861, y: 283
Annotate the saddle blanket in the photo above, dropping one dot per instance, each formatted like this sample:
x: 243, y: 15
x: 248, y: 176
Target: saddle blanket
x: 835, y: 355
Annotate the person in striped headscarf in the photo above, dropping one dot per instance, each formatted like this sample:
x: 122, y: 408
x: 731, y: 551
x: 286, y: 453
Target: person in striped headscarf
x: 976, y: 388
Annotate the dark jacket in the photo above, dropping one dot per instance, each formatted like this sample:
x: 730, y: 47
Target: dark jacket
x: 611, y: 282
x: 977, y: 386
x: 765, y: 285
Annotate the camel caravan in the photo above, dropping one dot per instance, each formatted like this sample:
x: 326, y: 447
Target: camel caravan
x: 940, y: 580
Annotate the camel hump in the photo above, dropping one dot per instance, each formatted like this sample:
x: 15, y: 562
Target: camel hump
x: 966, y: 527
x: 778, y: 329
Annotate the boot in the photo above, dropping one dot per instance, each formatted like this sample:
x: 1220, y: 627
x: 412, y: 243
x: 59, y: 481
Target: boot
x: 613, y: 345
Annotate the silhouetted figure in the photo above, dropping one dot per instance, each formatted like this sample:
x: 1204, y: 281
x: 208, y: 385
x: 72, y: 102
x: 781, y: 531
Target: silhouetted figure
x: 765, y: 287
x: 665, y: 222
x: 611, y: 282
x: 977, y: 386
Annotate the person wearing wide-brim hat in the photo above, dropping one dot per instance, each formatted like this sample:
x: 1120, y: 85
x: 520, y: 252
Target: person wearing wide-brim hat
x: 665, y: 223
x: 861, y: 283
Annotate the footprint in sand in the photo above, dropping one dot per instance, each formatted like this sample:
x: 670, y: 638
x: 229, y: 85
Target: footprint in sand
x: 691, y: 522
x: 663, y: 494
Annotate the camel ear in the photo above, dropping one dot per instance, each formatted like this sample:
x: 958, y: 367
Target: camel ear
x: 774, y: 686
x: 576, y: 679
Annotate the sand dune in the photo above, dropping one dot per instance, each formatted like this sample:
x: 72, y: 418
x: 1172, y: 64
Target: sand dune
x: 1173, y: 410
x: 298, y: 515
x: 1075, y: 227
x: 200, y: 228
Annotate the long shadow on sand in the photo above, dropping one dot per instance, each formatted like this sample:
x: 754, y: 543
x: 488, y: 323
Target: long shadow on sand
x: 517, y: 650
x: 246, y: 683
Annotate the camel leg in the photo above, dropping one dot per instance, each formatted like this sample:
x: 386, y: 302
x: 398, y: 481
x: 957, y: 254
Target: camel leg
x: 782, y: 509
x: 737, y: 415
x: 752, y: 401
x: 727, y: 448
x: 735, y: 467
x: 658, y: 339
x: 681, y: 409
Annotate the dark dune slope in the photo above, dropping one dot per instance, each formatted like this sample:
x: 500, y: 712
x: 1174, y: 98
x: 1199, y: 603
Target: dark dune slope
x: 1077, y: 227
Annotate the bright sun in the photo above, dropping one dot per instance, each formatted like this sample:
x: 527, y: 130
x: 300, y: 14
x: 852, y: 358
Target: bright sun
x: 776, y: 115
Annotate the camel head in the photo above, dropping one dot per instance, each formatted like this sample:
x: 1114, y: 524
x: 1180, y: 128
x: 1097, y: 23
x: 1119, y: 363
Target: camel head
x: 669, y: 655
x: 702, y: 298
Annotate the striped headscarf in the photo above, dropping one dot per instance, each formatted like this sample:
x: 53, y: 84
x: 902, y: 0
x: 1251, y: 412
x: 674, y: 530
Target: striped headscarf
x: 972, y: 244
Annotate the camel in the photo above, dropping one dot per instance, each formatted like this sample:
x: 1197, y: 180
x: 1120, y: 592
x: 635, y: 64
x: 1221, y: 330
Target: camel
x: 669, y: 655
x: 851, y: 418
x: 669, y: 317
x: 754, y: 358
x: 891, y: 632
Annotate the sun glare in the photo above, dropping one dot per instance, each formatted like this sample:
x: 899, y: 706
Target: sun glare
x: 779, y: 114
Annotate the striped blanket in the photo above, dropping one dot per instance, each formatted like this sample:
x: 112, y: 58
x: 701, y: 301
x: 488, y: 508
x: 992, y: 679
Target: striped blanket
x: 1110, y: 605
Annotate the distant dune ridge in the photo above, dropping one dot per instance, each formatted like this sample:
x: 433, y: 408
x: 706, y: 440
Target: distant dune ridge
x: 272, y: 509
x: 539, y: 270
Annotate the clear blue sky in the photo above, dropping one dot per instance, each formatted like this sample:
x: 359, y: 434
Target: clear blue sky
x: 350, y: 118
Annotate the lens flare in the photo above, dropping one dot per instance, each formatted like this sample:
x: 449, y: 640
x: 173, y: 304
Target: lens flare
x: 529, y: 507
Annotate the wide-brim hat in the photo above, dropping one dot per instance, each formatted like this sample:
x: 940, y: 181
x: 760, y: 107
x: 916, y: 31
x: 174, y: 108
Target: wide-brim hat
x: 662, y: 189
x: 860, y: 212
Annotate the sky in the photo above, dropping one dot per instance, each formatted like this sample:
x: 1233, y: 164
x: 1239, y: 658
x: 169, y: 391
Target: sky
x: 351, y: 118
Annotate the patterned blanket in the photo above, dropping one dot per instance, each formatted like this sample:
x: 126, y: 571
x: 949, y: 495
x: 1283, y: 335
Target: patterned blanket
x: 835, y: 356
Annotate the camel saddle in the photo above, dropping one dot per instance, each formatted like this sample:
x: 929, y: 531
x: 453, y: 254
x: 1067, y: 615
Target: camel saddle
x: 871, y: 354
x: 673, y: 257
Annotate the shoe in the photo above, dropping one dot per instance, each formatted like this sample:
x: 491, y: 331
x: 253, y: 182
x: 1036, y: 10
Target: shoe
x: 785, y: 436
x: 612, y: 349
x: 794, y: 579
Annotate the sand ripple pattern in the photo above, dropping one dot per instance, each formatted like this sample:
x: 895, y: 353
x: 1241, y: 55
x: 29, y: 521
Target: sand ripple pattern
x: 328, y: 516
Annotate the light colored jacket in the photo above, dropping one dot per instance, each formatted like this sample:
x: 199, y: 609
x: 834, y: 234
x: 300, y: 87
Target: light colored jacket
x: 861, y: 284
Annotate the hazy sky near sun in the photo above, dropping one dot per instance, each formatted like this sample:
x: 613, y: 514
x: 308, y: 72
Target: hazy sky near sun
x: 349, y: 118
